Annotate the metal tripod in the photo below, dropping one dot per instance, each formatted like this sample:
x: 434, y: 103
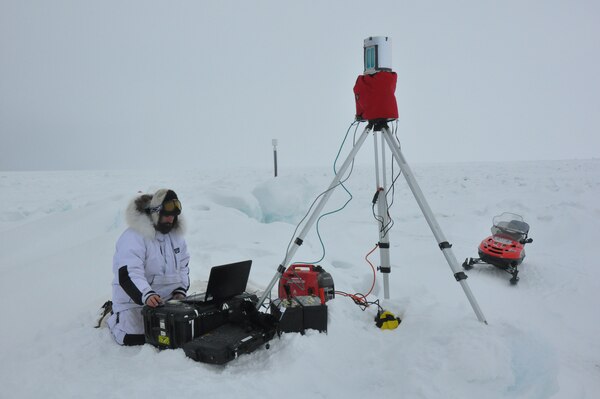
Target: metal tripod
x: 383, y: 217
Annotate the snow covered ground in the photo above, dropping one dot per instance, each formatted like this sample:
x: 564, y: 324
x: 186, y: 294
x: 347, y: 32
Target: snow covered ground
x: 57, y: 235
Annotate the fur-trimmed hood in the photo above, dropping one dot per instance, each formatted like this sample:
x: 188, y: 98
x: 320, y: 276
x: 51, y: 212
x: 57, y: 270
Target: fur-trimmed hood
x: 138, y: 218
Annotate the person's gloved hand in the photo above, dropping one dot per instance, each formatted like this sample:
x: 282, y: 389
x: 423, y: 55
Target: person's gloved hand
x: 178, y: 296
x: 153, y: 301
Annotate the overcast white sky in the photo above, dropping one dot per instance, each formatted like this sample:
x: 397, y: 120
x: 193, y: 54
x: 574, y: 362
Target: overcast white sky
x: 139, y: 84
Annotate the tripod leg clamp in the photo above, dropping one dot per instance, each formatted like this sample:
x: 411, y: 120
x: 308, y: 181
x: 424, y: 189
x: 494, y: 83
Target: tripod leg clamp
x: 445, y: 245
x: 460, y: 276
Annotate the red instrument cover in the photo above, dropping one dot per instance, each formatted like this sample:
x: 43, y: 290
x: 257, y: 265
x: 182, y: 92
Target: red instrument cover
x: 375, y: 96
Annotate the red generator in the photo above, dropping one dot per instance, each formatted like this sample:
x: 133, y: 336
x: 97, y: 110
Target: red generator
x: 304, y: 280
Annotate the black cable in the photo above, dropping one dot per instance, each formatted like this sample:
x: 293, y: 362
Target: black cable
x: 341, y: 182
x: 392, y: 189
x: 385, y: 228
x: 360, y: 301
x: 379, y: 219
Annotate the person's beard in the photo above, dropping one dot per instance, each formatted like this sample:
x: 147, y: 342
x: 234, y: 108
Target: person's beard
x: 164, y: 227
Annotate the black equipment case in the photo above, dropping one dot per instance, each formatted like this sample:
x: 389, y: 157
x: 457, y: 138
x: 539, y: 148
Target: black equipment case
x: 176, y: 322
x: 170, y: 325
x: 226, y: 343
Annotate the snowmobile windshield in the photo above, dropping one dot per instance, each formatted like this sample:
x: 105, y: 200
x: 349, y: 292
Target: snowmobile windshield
x: 511, y: 226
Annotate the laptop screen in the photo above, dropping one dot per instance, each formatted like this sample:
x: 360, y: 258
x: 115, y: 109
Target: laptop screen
x: 228, y: 280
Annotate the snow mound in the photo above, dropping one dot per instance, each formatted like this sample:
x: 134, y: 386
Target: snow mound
x: 245, y: 203
x: 284, y: 199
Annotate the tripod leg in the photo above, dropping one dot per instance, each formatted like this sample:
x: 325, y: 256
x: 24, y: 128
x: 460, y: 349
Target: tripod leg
x: 315, y: 214
x: 382, y: 217
x: 433, y: 225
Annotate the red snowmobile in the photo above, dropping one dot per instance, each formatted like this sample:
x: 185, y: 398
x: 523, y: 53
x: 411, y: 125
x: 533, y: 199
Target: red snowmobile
x: 505, y: 248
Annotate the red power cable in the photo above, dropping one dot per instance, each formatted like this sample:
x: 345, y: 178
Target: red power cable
x: 359, y: 298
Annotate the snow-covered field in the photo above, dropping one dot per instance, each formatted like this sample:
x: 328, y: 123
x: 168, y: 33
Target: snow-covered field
x: 57, y: 234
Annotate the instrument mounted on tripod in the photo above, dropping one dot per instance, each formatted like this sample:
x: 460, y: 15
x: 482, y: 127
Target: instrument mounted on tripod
x: 374, y: 90
x: 374, y: 94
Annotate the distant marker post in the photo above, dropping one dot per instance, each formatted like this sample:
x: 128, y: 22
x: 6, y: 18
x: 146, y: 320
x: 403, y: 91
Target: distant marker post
x: 274, y: 141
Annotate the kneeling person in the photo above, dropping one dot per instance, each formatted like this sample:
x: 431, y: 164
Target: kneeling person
x: 150, y: 263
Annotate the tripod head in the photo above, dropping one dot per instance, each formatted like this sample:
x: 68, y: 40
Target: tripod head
x: 378, y: 124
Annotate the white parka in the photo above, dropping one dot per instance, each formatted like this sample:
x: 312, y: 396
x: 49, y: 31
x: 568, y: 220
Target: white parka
x: 147, y: 262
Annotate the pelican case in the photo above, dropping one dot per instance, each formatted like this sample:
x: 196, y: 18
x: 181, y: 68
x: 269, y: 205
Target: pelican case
x: 245, y: 332
x: 171, y: 325
x: 176, y: 322
x: 226, y: 343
